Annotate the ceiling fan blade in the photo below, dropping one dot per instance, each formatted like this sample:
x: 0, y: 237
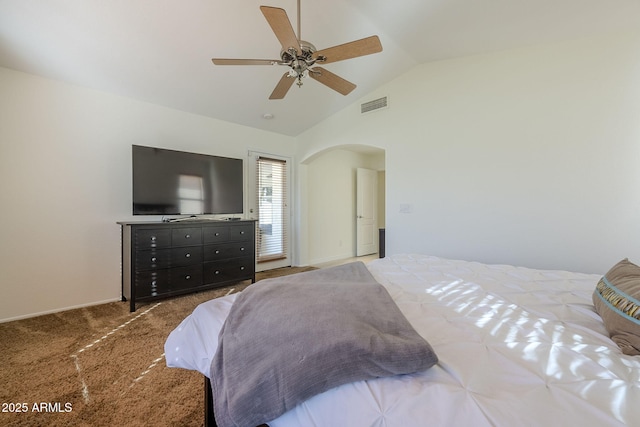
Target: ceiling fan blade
x: 331, y: 80
x: 281, y: 26
x: 225, y: 61
x: 282, y: 87
x: 350, y: 50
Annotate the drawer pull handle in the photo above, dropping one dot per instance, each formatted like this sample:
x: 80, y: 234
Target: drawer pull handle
x: 242, y: 268
x: 217, y: 271
x: 241, y: 249
x: 217, y: 251
x: 187, y: 236
x: 153, y: 238
x: 188, y: 255
x: 217, y: 234
x: 242, y: 232
x: 187, y: 277
x: 153, y: 259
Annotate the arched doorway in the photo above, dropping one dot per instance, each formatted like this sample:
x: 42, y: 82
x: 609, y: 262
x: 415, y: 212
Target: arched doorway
x: 329, y: 191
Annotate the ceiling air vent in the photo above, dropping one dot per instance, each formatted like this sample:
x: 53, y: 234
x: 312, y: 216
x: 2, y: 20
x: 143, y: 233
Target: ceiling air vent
x: 374, y: 105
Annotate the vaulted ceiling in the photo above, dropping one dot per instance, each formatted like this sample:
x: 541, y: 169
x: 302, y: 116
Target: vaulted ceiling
x: 160, y: 51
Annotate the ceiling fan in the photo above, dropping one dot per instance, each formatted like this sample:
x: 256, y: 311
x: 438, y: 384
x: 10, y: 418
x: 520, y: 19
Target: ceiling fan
x: 302, y: 57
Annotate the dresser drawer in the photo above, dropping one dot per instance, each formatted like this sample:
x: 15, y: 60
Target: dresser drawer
x: 231, y: 269
x: 228, y: 250
x: 185, y: 277
x: 151, y: 283
x: 216, y: 234
x: 187, y: 255
x: 152, y: 238
x: 241, y: 232
x: 186, y: 236
x: 152, y: 259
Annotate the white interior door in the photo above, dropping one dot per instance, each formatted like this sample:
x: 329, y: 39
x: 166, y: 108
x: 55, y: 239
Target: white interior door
x: 366, y: 208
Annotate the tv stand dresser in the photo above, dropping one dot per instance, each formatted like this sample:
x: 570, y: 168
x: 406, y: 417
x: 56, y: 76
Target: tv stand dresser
x: 164, y: 259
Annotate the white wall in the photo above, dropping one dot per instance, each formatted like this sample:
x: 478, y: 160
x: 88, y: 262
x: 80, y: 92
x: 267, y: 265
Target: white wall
x: 65, y: 179
x: 331, y: 190
x: 529, y: 157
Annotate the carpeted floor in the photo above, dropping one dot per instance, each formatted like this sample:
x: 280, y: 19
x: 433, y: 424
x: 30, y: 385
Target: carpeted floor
x: 102, y: 366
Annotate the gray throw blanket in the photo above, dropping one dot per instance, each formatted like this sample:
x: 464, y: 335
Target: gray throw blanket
x: 290, y: 338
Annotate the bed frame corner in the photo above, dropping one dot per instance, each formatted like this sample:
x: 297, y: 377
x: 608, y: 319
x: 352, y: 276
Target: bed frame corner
x: 209, y: 418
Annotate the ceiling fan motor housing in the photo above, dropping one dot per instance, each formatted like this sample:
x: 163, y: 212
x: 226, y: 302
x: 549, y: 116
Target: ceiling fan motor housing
x: 300, y: 62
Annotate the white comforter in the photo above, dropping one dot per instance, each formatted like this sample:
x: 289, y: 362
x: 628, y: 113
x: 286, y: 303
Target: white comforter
x: 517, y: 347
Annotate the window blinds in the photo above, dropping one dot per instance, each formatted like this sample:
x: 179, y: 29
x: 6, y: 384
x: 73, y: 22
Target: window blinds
x: 272, y: 203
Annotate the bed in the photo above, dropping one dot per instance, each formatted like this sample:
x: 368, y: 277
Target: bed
x: 515, y: 347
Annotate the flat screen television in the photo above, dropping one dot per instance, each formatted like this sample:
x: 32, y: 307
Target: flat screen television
x: 168, y: 182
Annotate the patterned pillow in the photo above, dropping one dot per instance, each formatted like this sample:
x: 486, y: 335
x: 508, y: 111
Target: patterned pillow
x: 617, y: 301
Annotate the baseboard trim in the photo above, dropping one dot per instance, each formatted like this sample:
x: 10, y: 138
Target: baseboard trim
x: 58, y: 310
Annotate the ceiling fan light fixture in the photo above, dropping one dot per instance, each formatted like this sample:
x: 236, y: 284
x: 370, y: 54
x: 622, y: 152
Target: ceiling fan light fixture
x: 300, y: 55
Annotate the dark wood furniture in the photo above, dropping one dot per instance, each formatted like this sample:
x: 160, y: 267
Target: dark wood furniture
x: 163, y: 259
x: 209, y: 416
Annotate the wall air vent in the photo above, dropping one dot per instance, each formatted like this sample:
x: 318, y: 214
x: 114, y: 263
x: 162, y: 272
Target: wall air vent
x: 374, y: 105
